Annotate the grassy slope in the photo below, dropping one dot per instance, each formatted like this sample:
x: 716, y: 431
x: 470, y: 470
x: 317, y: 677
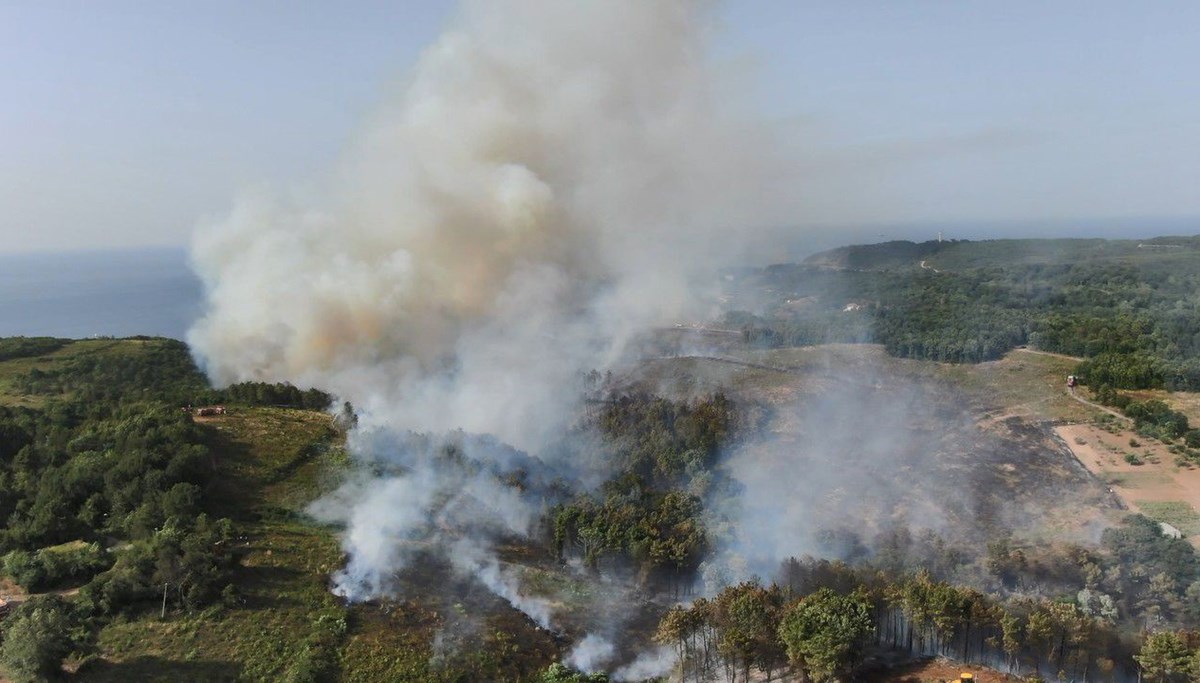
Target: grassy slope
x: 269, y: 460
x: 1023, y: 383
x: 14, y: 368
x: 272, y: 462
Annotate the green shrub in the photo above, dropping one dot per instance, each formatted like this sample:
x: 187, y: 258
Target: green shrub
x: 36, y: 638
x: 55, y: 566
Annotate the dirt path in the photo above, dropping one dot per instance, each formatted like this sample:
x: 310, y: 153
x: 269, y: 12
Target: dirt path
x: 1025, y: 349
x: 1071, y: 390
x: 927, y: 267
x: 1097, y: 406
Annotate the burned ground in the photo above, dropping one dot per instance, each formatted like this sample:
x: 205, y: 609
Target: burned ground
x: 855, y: 441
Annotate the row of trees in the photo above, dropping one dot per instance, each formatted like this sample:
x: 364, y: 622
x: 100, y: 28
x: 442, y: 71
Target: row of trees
x: 750, y: 627
x: 1064, y: 612
x: 830, y: 632
x: 1151, y: 417
x: 270, y: 394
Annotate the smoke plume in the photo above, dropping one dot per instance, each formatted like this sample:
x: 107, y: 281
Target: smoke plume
x: 541, y: 191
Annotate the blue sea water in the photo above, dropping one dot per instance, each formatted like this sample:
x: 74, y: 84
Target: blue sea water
x: 98, y: 293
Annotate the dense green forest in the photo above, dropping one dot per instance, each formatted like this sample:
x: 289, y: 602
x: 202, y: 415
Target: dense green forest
x: 1131, y: 309
x: 102, y: 491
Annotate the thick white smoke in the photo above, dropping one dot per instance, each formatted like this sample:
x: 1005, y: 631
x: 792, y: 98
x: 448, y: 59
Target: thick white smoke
x: 592, y: 653
x: 540, y: 192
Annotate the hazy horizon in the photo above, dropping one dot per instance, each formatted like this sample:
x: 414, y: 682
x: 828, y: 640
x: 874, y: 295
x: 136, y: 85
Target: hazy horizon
x: 87, y: 292
x: 833, y: 236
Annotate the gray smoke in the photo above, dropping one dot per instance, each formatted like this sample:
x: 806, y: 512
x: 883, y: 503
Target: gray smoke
x: 539, y: 193
x: 591, y: 654
x: 476, y: 560
x: 654, y: 663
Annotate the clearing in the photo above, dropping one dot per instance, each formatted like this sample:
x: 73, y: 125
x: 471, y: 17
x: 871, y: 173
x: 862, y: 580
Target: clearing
x: 1142, y: 472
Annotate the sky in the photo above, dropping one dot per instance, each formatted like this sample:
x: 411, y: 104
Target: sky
x: 128, y: 123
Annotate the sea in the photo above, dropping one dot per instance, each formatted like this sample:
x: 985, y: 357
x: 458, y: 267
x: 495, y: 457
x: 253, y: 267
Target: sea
x: 80, y: 294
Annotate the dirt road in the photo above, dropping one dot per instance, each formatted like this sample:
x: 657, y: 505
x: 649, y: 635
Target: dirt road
x: 1071, y: 390
x: 1025, y: 349
x: 1097, y: 406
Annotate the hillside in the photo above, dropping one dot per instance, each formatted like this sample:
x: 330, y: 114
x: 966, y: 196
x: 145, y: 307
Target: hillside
x: 276, y: 618
x: 1130, y: 306
x: 742, y: 482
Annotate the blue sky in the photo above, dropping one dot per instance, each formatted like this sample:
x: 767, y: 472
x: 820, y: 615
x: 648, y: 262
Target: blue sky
x: 124, y: 123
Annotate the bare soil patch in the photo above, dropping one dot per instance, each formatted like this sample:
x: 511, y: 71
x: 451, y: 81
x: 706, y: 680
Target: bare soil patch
x: 1141, y: 472
x: 928, y: 670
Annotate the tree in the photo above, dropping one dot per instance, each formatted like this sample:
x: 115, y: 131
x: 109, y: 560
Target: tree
x: 37, y: 638
x: 1012, y: 635
x: 824, y: 632
x: 559, y: 673
x: 1165, y: 658
x: 746, y: 619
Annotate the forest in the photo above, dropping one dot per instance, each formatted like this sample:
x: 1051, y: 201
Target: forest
x: 1132, y: 313
x: 1067, y: 614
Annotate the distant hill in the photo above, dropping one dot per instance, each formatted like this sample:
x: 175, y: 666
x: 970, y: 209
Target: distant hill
x: 883, y: 256
x: 966, y: 254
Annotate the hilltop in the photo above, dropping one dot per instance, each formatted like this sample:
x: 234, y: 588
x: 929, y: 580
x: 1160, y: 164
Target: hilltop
x: 1003, y: 253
